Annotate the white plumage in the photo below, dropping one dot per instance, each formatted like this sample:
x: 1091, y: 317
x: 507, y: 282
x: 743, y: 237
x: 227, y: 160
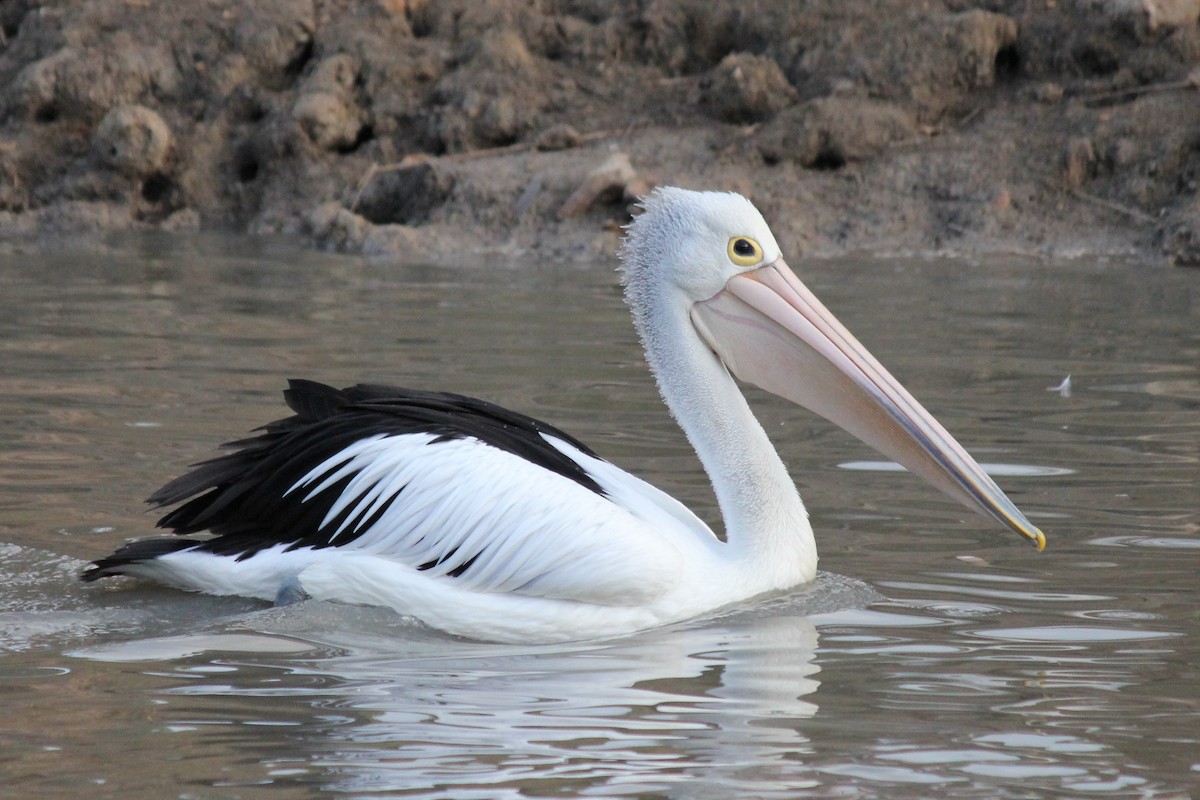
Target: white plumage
x: 491, y: 525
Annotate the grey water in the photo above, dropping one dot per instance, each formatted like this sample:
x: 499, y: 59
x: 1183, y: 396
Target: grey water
x: 937, y: 655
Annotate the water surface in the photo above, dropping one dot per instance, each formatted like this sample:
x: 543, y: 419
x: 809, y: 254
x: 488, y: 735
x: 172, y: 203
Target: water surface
x: 937, y: 656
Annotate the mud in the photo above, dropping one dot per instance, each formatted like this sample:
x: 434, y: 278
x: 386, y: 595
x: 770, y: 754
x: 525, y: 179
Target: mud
x: 463, y: 129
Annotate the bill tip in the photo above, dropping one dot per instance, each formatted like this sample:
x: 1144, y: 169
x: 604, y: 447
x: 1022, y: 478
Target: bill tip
x: 1039, y: 540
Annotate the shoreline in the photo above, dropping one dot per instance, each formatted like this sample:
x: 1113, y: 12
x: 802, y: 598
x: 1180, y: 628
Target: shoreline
x: 393, y: 128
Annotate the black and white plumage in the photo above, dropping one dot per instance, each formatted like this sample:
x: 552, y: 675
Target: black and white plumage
x: 244, y: 498
x: 490, y: 524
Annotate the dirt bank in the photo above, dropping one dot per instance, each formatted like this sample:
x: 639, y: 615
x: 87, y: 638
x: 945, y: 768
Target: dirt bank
x: 461, y: 128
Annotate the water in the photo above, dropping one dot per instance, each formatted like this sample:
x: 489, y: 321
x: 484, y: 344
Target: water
x: 938, y: 656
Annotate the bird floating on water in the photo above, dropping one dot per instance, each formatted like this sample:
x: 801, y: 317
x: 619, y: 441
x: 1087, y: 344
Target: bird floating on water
x: 489, y: 524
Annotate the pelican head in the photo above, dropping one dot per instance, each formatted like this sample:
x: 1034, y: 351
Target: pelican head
x: 705, y: 265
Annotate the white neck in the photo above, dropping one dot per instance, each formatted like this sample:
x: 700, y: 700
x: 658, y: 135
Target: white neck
x: 766, y: 525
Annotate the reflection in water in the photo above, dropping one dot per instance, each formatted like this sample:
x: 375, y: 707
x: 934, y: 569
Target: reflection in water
x: 613, y: 718
x: 718, y: 701
x: 364, y: 702
x: 995, y: 470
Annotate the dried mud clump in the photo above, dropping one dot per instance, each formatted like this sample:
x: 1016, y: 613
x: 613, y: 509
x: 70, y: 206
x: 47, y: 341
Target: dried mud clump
x: 747, y: 88
x: 517, y: 126
x: 327, y: 108
x: 827, y: 133
x: 493, y: 97
x: 133, y: 140
x: 405, y: 196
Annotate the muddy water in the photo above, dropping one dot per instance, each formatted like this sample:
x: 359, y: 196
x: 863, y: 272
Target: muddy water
x: 937, y: 655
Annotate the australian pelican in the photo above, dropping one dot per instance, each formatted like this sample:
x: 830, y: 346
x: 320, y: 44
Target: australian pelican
x: 489, y: 524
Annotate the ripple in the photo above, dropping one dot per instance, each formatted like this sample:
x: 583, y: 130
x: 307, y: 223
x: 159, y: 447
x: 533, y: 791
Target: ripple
x: 1027, y: 596
x: 1018, y: 771
x: 1116, y: 785
x: 1073, y: 634
x: 885, y: 774
x: 1182, y: 388
x: 1168, y: 542
x: 25, y: 672
x: 169, y: 648
x: 995, y: 470
x: 1115, y: 613
x: 948, y: 756
x: 867, y: 618
x: 1039, y: 741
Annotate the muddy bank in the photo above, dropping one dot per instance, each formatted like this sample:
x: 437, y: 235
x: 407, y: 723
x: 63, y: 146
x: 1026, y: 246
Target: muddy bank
x: 455, y: 129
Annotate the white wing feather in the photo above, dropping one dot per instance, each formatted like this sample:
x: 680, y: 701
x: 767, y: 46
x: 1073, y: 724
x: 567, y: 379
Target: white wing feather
x: 506, y: 524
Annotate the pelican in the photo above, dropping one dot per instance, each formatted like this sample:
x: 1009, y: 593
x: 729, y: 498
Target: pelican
x: 488, y: 524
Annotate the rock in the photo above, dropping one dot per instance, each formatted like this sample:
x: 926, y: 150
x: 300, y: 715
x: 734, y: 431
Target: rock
x: 685, y: 36
x: 326, y: 109
x: 1123, y: 152
x: 406, y: 196
x: 328, y: 119
x: 14, y: 226
x: 1048, y: 92
x: 1155, y: 14
x: 335, y: 73
x: 606, y: 183
x: 1171, y: 13
x: 1181, y: 236
x: 276, y: 37
x: 187, y: 219
x: 831, y: 131
x: 974, y: 40
x: 336, y: 228
x: 133, y: 140
x: 557, y: 137
x: 466, y: 20
x: 13, y: 196
x: 1078, y: 158
x: 35, y: 88
x: 392, y: 241
x: 77, y: 216
x: 83, y: 83
x: 925, y: 61
x: 746, y: 88
x: 493, y: 98
x: 497, y: 120
x: 501, y: 50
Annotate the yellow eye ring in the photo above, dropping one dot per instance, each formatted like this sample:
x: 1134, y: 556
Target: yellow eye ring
x: 744, y: 251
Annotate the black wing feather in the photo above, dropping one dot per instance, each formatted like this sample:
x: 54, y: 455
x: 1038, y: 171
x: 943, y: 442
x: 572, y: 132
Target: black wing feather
x: 141, y: 550
x: 239, y: 497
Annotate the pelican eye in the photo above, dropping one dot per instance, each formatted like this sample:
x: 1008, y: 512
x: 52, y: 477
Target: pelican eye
x: 744, y: 251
